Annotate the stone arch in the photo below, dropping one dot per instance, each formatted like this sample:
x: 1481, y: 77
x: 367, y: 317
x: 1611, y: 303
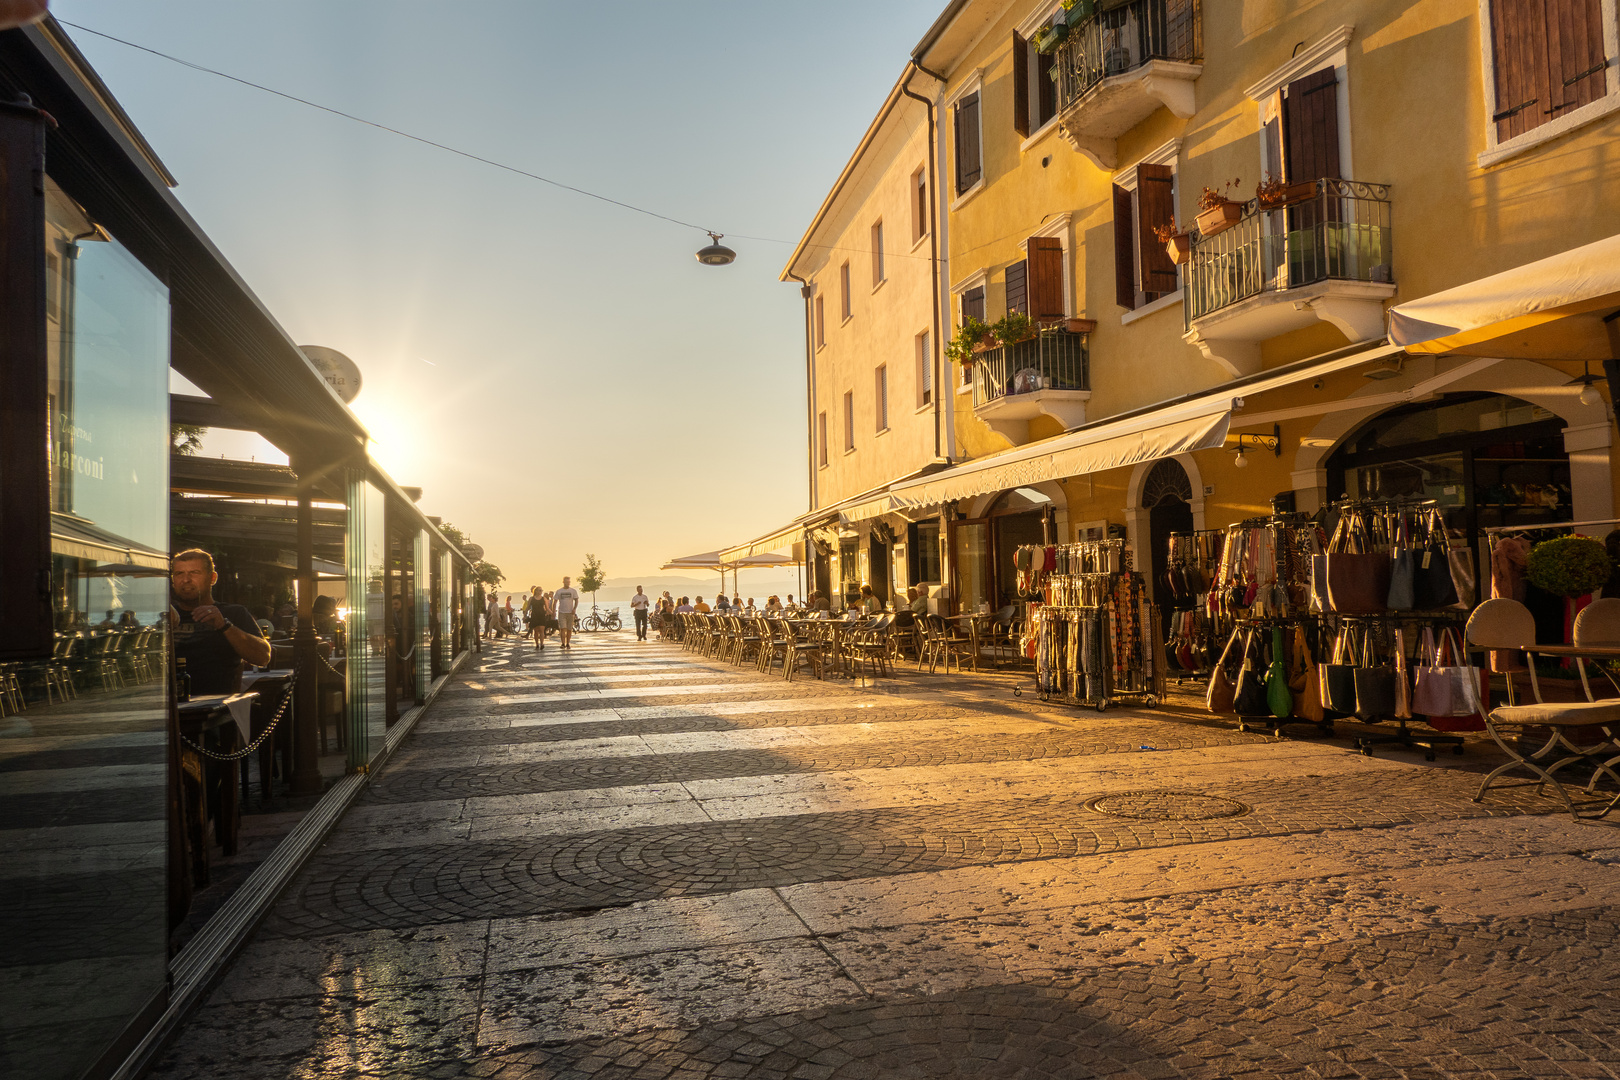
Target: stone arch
x: 1588, y: 433
x: 1136, y: 514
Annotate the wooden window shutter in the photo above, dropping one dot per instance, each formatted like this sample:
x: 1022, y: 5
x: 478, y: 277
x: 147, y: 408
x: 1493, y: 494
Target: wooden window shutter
x: 1311, y: 126
x: 1577, y: 67
x: 973, y: 304
x: 1549, y: 59
x: 1124, y: 254
x: 968, y: 166
x: 25, y: 463
x: 1046, y: 299
x: 1020, y: 76
x: 1156, y: 205
x: 1018, y: 287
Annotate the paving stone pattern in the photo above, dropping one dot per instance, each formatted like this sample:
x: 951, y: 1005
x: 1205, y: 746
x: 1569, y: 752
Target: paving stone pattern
x: 906, y: 896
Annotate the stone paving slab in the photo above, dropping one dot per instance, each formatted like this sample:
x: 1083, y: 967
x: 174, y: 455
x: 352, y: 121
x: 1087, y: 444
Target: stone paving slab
x: 926, y: 878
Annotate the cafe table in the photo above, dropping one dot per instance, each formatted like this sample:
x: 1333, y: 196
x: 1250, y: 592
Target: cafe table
x: 974, y: 621
x: 209, y: 786
x: 268, y: 688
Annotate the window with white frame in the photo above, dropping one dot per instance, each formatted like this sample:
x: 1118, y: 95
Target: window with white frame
x: 845, y: 303
x: 1144, y: 203
x: 821, y: 437
x: 1547, y: 70
x: 919, y: 204
x: 849, y: 420
x: 925, y: 368
x: 880, y: 397
x: 1033, y: 79
x: 820, y: 319
x: 878, y: 273
x: 967, y: 129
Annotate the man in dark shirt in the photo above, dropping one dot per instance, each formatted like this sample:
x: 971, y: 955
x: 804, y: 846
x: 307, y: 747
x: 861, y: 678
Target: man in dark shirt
x: 213, y: 639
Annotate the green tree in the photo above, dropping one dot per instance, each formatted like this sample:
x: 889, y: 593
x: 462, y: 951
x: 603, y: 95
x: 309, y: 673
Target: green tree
x: 186, y: 438
x: 591, y: 576
x: 487, y: 574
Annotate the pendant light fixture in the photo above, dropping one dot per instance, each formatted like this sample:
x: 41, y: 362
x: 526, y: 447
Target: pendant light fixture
x: 716, y: 254
x: 1587, y: 381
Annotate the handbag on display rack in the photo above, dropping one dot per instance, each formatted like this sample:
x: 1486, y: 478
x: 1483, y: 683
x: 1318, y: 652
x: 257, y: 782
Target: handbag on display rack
x: 1357, y: 579
x: 1279, y: 695
x: 1432, y: 584
x: 1339, y: 677
x: 1402, y: 561
x: 1375, y: 686
x: 1443, y: 695
x: 1308, y: 700
x: 1218, y: 698
x: 1249, y: 698
x: 1403, y: 678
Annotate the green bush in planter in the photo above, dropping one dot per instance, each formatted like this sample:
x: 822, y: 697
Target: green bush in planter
x: 1569, y: 566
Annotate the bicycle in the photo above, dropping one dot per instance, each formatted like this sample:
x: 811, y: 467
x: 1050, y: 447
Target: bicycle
x: 596, y: 620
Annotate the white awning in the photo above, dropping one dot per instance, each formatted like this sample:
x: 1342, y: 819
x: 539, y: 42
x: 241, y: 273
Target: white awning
x: 848, y: 511
x: 1547, y: 310
x: 1196, y: 425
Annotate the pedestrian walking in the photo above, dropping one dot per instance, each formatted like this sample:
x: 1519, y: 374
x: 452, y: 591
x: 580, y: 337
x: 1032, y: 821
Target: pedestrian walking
x: 566, y: 602
x: 534, y: 610
x: 639, y: 604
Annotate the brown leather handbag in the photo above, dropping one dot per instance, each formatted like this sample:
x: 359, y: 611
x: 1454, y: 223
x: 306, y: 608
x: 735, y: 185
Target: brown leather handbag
x: 1218, y: 698
x: 1357, y: 579
x: 1308, y: 699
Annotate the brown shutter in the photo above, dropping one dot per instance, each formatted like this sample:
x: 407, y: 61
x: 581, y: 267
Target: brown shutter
x: 973, y: 304
x: 1020, y: 58
x: 1156, y: 205
x: 1018, y: 287
x: 1519, y: 49
x: 1124, y: 256
x: 25, y: 464
x: 1575, y: 62
x: 1046, y: 278
x: 968, y: 167
x: 1311, y: 126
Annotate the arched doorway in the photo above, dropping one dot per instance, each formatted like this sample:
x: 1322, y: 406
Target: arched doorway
x: 1485, y: 460
x: 1167, y: 498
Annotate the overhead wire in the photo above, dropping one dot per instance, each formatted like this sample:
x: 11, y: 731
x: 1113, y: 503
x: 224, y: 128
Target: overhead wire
x: 469, y: 155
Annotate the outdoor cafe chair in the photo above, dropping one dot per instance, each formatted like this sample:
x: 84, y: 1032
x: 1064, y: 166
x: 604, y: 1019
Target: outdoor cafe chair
x: 804, y: 646
x: 749, y: 637
x: 1002, y: 635
x: 870, y: 646
x: 1598, y: 627
x: 940, y: 645
x: 1502, y: 623
x: 775, y: 634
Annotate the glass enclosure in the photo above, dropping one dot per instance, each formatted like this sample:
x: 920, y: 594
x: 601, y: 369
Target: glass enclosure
x: 446, y: 614
x: 973, y: 565
x: 422, y: 581
x: 84, y: 769
x: 366, y: 665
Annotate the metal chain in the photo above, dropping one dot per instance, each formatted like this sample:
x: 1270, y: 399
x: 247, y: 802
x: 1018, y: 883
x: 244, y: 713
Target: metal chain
x: 263, y: 735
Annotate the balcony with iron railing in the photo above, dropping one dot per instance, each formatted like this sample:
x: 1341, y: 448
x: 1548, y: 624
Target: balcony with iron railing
x: 1280, y: 268
x: 1118, y: 65
x: 1046, y: 375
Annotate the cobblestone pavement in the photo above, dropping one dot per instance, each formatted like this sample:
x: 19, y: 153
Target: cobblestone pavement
x: 626, y: 862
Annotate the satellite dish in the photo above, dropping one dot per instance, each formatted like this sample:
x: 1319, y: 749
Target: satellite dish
x: 338, y: 370
x: 474, y: 552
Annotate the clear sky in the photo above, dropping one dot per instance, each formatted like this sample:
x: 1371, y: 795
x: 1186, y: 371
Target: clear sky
x: 559, y: 375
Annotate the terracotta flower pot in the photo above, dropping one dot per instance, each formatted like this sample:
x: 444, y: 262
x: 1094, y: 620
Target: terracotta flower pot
x: 1220, y: 217
x: 1080, y: 326
x: 1180, y: 248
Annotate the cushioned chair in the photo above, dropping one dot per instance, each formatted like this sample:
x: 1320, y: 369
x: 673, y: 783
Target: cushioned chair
x: 1598, y: 626
x: 1507, y: 624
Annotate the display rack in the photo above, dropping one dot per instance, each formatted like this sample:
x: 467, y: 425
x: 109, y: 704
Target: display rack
x: 1095, y: 638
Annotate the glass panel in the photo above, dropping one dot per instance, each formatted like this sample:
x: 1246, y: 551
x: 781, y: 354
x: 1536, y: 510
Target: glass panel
x: 84, y: 768
x: 1467, y: 417
x: 973, y: 572
x: 422, y: 580
x: 446, y: 612
x: 928, y: 551
x: 365, y: 545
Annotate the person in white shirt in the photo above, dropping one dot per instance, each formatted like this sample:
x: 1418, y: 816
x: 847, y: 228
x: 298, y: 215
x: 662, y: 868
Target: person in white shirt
x: 639, y: 604
x: 566, y: 601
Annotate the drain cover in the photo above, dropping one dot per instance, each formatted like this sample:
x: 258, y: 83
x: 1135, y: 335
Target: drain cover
x: 1166, y: 806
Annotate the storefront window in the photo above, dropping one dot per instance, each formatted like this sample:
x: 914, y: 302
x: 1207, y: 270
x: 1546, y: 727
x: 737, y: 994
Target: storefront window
x: 973, y: 565
x: 84, y: 781
x: 447, y: 610
x: 367, y: 630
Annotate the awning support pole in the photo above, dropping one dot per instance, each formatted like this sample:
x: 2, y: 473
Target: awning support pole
x: 306, y: 772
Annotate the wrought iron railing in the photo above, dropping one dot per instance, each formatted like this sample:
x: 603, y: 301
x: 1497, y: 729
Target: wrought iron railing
x: 1340, y: 232
x: 1051, y: 360
x: 1123, y: 37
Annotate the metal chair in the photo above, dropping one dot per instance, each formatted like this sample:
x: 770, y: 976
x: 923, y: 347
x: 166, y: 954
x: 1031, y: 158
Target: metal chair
x: 1507, y: 624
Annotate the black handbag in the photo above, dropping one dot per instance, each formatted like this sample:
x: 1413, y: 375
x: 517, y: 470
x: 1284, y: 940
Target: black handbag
x: 1433, y: 587
x: 1375, y: 687
x: 1339, y: 681
x: 1250, y: 698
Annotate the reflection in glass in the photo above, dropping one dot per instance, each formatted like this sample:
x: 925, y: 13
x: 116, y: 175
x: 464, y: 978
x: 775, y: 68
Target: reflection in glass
x: 973, y: 571
x: 367, y: 630
x: 84, y: 767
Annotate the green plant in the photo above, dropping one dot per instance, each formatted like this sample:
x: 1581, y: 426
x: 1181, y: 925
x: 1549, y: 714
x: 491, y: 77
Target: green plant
x: 1568, y: 566
x: 186, y: 439
x: 591, y: 576
x: 1014, y: 326
x: 487, y: 574
x: 970, y: 333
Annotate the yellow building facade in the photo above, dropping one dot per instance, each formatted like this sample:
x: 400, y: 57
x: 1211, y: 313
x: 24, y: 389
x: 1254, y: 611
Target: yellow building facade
x: 1416, y: 154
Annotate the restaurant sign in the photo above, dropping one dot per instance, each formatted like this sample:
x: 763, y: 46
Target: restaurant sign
x: 342, y: 373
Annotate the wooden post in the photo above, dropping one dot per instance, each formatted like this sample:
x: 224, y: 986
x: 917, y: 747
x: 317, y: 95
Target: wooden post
x: 306, y: 776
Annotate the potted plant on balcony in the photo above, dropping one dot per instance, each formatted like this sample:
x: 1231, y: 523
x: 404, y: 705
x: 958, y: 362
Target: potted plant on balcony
x: 1048, y: 38
x: 1013, y: 327
x: 1178, y: 242
x: 1217, y: 212
x: 1274, y: 193
x: 970, y: 336
x: 1076, y: 10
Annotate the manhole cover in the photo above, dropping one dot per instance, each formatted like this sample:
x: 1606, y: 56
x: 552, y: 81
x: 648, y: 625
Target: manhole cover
x: 1166, y: 806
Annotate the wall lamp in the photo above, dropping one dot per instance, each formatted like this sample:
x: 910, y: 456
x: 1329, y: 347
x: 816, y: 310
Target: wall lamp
x: 1272, y: 442
x: 1589, y: 393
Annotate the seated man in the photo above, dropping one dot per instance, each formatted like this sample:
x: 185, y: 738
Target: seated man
x: 213, y: 639
x: 700, y: 607
x: 919, y: 599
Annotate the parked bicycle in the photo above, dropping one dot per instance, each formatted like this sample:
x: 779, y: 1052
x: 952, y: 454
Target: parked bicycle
x: 600, y: 620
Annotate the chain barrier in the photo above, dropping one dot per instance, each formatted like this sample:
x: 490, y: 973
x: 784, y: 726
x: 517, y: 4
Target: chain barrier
x: 238, y: 755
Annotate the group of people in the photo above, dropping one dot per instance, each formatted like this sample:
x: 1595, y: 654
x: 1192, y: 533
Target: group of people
x: 541, y: 614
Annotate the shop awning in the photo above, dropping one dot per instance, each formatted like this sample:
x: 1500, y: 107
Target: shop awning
x: 78, y: 538
x: 1552, y: 309
x: 867, y: 504
x: 1197, y: 425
